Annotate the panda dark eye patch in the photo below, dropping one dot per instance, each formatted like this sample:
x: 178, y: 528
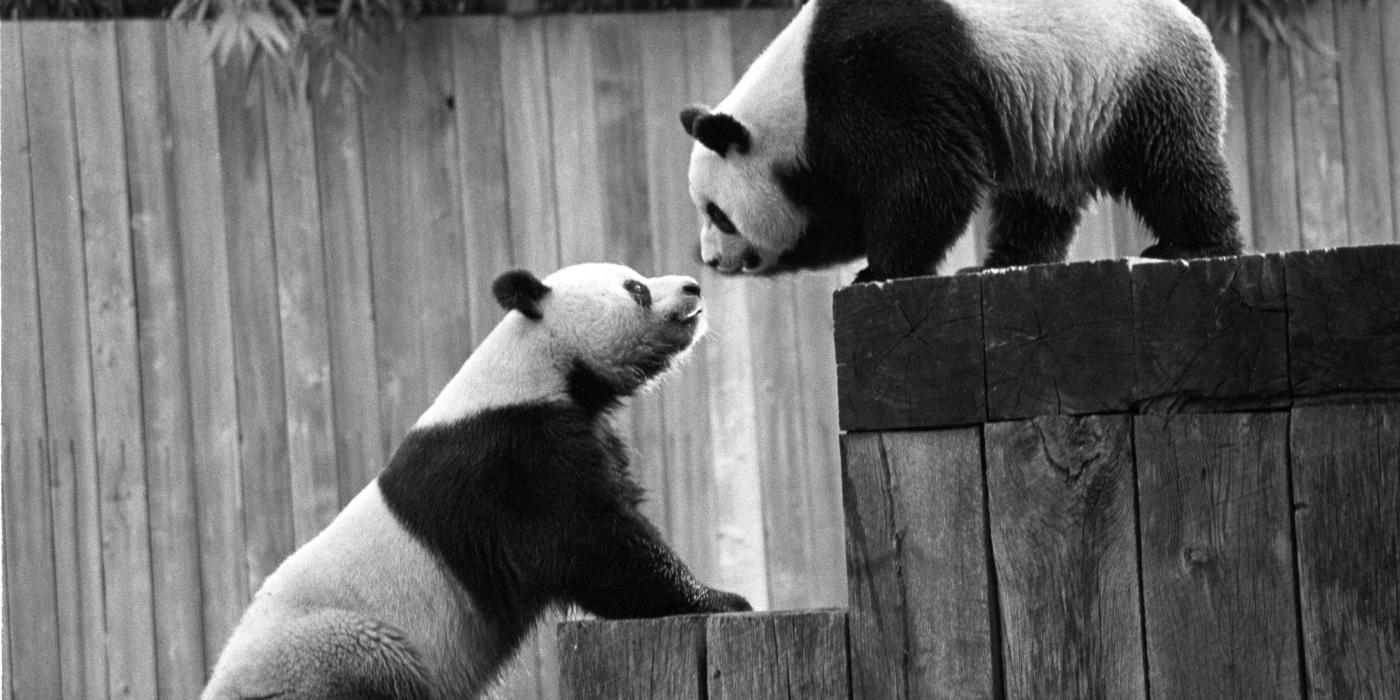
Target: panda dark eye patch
x: 721, y: 221
x: 639, y: 292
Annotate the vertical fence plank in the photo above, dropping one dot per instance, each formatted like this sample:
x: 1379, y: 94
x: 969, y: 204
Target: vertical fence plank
x: 676, y: 470
x: 777, y: 655
x: 1060, y: 498
x: 391, y: 242
x: 733, y: 410
x: 573, y: 129
x: 31, y: 590
x: 1267, y: 80
x: 1390, y: 58
x: 1218, y: 599
x: 529, y: 163
x: 67, y: 370
x: 1345, y: 487
x: 917, y: 565
x: 354, y: 377
x: 1317, y: 117
x: 1236, y: 132
x: 208, y: 332
x: 116, y: 382
x: 481, y: 158
x: 1365, y: 138
x: 165, y: 405
x: 257, y: 342
x: 305, y: 318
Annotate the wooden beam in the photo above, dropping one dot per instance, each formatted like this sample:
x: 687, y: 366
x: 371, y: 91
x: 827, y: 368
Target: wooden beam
x: 1060, y: 503
x: 1344, y: 321
x: 916, y: 565
x: 1217, y: 578
x: 789, y: 654
x: 1059, y: 340
x: 641, y: 659
x: 1346, y: 484
x: 909, y: 353
x: 1210, y: 334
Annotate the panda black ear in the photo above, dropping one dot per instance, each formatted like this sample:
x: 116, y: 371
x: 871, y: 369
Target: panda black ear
x: 690, y: 114
x: 719, y: 132
x: 520, y: 290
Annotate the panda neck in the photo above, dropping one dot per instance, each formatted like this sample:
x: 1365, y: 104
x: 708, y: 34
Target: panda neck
x: 503, y: 371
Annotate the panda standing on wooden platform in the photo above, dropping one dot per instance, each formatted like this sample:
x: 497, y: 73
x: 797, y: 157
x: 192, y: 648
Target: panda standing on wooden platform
x: 877, y: 127
x: 510, y: 495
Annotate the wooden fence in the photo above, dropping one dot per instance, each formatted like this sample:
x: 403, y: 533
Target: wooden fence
x: 1094, y: 480
x: 222, y: 309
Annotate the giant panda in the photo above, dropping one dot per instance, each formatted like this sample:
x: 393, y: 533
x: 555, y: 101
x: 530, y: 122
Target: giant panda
x: 877, y: 127
x: 509, y: 495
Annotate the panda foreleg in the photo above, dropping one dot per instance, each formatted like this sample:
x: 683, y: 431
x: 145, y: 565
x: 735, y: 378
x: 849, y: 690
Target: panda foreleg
x: 1027, y: 229
x: 910, y: 226
x: 624, y: 570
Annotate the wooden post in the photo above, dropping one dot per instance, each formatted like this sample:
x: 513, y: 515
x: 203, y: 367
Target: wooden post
x: 777, y: 655
x: 641, y: 659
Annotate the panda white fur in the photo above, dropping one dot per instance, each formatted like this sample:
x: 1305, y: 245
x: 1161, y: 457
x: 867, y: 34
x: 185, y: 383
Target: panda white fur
x: 876, y: 128
x: 511, y: 494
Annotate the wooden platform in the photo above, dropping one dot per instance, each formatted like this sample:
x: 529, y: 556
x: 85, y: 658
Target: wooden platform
x: 1112, y: 479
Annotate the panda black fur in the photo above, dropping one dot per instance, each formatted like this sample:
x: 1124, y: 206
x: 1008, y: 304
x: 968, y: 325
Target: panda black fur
x: 876, y: 128
x: 510, y: 495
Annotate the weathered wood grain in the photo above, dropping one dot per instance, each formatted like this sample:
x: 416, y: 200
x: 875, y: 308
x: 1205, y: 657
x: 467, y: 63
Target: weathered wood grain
x: 359, y: 448
x: 1389, y: 56
x: 633, y: 659
x: 534, y: 226
x: 909, y: 353
x: 1060, y: 504
x: 1365, y: 131
x: 1210, y: 334
x: 481, y: 160
x: 165, y: 403
x: 1346, y: 484
x: 917, y: 565
x: 208, y: 333
x: 1218, y: 598
x: 1343, y: 320
x: 67, y: 367
x: 1059, y: 340
x: 304, y: 315
x: 576, y: 186
x: 257, y: 348
x: 777, y: 655
x: 116, y: 365
x: 1320, y: 158
x: 1270, y: 136
x: 31, y: 590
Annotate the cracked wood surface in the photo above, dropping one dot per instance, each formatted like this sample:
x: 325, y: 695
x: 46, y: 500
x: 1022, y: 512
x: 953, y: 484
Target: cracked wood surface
x: 1217, y: 562
x: 632, y: 659
x: 920, y: 623
x: 788, y: 654
x: 1120, y: 336
x: 1060, y: 506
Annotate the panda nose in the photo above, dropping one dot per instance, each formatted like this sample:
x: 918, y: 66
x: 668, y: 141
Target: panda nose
x: 691, y: 288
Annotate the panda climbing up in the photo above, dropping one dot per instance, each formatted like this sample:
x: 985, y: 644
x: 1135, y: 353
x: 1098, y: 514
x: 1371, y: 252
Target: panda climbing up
x: 510, y: 495
x: 876, y: 128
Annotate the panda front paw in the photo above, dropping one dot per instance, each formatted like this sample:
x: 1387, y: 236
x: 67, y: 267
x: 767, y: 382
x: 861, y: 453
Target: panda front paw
x: 869, y: 274
x: 717, y: 601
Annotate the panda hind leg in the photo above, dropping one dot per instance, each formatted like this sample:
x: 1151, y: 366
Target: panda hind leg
x: 1189, y: 210
x: 1027, y: 229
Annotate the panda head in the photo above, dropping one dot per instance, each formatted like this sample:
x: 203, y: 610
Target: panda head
x: 604, y: 328
x: 748, y: 221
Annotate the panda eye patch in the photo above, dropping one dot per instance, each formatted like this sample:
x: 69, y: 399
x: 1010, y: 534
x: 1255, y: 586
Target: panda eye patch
x: 639, y: 292
x: 721, y: 221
